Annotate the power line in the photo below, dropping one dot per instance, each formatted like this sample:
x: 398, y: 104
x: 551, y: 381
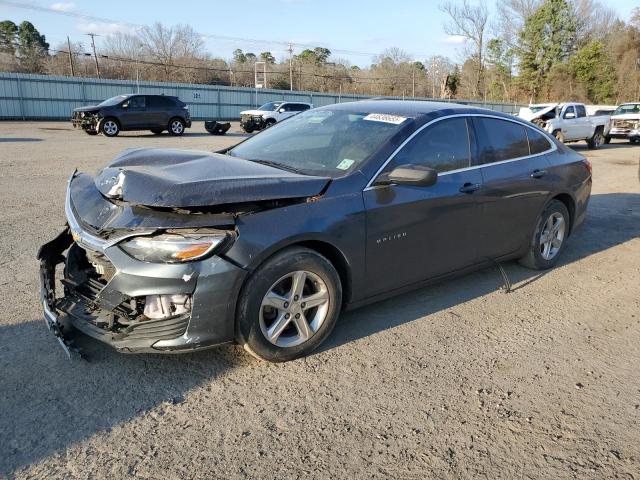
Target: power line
x: 94, y: 18
x: 368, y: 80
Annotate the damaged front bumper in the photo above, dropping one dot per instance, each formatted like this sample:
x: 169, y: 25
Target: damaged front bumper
x: 134, y: 306
x: 85, y: 121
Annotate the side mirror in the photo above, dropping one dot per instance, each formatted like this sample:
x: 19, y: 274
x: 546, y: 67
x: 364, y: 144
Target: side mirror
x: 415, y: 175
x: 569, y: 115
x: 281, y: 110
x: 125, y: 105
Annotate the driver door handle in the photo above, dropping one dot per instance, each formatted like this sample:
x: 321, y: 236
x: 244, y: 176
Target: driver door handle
x: 538, y: 173
x: 469, y: 187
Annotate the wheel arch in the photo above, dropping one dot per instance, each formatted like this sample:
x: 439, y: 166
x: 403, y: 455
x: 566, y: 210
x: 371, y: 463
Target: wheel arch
x: 570, y: 203
x: 325, y: 248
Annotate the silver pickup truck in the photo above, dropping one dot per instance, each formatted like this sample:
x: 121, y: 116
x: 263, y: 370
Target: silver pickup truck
x: 625, y: 122
x: 569, y: 122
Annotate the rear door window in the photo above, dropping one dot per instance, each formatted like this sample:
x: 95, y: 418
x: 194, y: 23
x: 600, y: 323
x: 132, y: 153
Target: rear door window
x: 443, y: 146
x: 499, y: 140
x: 582, y: 112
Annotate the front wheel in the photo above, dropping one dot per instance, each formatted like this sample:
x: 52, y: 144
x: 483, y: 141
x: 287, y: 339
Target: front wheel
x: 91, y: 131
x: 176, y: 127
x: 595, y: 141
x: 110, y: 127
x: 270, y: 122
x: 157, y: 131
x: 607, y: 139
x: 549, y: 237
x: 289, y: 305
x: 633, y: 140
x: 248, y: 129
x: 559, y: 136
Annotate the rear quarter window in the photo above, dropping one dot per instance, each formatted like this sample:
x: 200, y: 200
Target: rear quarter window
x: 500, y: 140
x: 538, y: 143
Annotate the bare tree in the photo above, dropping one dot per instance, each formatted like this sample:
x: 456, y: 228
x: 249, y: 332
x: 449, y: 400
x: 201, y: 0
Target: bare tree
x: 470, y: 22
x: 594, y: 20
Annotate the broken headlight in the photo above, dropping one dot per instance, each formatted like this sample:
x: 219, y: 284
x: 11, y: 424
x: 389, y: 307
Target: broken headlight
x: 175, y: 248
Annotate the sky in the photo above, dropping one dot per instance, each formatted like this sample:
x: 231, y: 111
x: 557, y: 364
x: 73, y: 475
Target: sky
x: 343, y: 26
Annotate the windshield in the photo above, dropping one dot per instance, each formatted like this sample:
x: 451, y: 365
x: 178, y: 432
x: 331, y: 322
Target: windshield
x: 112, y: 101
x: 629, y: 108
x: 321, y: 142
x: 270, y: 107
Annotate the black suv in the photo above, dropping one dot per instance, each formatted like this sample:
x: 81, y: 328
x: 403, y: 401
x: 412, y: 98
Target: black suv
x: 134, y: 112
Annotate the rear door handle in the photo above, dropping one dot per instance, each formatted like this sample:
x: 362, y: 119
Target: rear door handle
x: 538, y: 173
x: 469, y: 187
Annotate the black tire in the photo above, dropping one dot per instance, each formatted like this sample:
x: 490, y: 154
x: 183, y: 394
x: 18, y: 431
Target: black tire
x: 91, y: 132
x: 249, y: 332
x: 596, y: 141
x: 176, y: 126
x: 269, y: 122
x: 534, y: 257
x: 110, y: 127
x: 157, y: 131
x: 248, y: 129
x: 607, y: 139
x: 559, y: 135
x: 633, y: 140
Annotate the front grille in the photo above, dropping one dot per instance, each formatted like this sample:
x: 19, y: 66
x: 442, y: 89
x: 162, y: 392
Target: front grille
x: 625, y: 124
x: 157, y: 329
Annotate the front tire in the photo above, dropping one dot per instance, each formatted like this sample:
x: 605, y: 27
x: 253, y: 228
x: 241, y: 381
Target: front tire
x: 559, y: 136
x: 289, y: 306
x: 549, y: 237
x: 607, y: 139
x: 157, y: 131
x: 91, y: 132
x: 110, y: 127
x: 270, y: 122
x: 176, y: 127
x: 596, y: 141
x: 248, y: 129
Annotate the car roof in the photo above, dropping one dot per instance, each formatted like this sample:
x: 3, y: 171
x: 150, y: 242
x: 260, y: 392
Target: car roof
x: 412, y: 108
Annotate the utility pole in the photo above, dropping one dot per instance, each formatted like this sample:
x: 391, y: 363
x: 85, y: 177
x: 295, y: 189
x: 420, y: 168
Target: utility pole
x: 413, y: 82
x: 95, y: 56
x: 73, y: 73
x: 290, y: 67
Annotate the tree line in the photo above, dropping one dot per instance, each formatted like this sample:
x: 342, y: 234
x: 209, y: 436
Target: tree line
x: 537, y: 50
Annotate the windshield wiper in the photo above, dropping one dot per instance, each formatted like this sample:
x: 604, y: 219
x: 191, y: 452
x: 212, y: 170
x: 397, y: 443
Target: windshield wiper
x: 281, y: 166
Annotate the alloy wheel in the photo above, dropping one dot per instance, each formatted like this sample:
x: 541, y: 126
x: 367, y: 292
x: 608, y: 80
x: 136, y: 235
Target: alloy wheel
x: 176, y: 127
x: 552, y: 236
x: 294, y: 308
x: 110, y: 127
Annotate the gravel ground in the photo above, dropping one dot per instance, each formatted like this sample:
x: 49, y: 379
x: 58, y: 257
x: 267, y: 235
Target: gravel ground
x: 455, y: 381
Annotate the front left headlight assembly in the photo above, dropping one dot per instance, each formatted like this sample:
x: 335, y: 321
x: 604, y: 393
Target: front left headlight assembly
x: 176, y: 247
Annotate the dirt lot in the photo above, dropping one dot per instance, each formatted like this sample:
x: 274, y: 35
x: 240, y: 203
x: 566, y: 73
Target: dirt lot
x: 458, y: 380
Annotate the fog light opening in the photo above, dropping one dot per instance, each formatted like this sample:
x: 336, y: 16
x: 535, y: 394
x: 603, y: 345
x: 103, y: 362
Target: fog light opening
x: 157, y: 307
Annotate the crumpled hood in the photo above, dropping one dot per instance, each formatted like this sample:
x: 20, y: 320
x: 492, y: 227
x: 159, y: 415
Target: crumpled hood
x: 527, y: 114
x: 254, y: 112
x: 182, y: 179
x: 88, y: 108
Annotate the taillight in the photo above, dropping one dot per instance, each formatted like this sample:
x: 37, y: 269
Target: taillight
x: 587, y: 164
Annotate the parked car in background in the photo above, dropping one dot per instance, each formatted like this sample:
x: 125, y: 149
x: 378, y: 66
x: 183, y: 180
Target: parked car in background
x: 269, y: 114
x: 133, y: 112
x: 568, y: 122
x: 625, y: 122
x: 265, y: 243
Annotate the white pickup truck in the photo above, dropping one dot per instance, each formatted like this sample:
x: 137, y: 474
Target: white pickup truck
x: 568, y: 122
x: 625, y: 122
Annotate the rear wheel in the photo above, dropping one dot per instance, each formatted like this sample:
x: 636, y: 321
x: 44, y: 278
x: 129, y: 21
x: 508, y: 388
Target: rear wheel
x: 549, y: 237
x: 176, y: 127
x: 110, y: 127
x: 289, y: 305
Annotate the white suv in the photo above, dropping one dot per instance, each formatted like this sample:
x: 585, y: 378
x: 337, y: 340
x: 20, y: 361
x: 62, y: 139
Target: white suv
x: 270, y: 113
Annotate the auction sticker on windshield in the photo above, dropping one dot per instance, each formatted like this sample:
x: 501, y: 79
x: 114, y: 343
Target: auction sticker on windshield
x: 381, y: 117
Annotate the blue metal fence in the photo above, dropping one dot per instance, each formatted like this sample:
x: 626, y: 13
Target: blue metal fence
x: 43, y: 97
